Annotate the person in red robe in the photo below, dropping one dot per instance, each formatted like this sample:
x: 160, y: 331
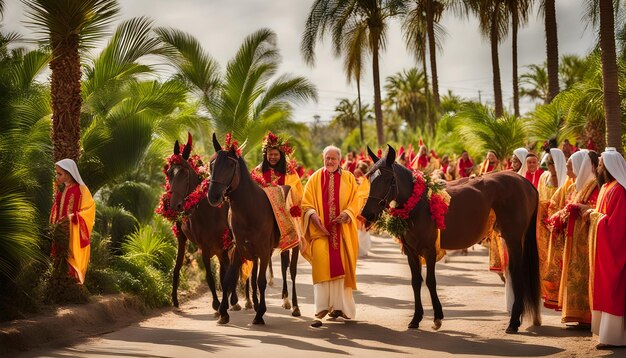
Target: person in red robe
x: 465, y: 165
x: 422, y: 160
x: 533, y: 172
x: 608, y: 233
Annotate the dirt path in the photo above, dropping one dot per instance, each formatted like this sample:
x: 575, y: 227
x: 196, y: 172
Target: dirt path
x: 474, y: 324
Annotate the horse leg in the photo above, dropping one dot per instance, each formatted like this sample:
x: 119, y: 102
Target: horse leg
x: 515, y: 269
x: 248, y: 300
x: 416, y: 283
x: 206, y: 258
x: 234, y: 300
x: 271, y: 274
x: 258, y: 319
x: 293, y: 270
x: 284, y: 264
x: 431, y: 283
x: 229, y: 280
x: 254, y: 276
x: 180, y: 256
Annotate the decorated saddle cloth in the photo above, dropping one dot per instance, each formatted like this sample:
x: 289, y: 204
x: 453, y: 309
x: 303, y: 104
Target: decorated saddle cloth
x: 286, y: 209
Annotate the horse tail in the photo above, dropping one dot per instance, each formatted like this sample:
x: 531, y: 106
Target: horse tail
x: 531, y: 284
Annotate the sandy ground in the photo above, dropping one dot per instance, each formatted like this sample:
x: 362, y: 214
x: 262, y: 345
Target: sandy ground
x: 474, y: 324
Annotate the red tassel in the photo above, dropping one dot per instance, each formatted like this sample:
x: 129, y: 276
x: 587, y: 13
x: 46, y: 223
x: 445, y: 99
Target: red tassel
x: 189, y: 141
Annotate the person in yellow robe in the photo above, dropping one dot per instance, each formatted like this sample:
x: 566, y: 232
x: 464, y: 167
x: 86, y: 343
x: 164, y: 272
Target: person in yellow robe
x: 74, y: 205
x: 574, y: 287
x: 330, y: 208
x: 549, y: 182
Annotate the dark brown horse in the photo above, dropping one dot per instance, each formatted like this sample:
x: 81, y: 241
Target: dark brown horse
x: 514, y: 201
x: 205, y: 227
x: 252, y: 222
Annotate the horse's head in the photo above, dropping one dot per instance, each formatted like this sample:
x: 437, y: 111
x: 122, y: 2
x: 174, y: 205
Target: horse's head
x: 181, y: 176
x: 383, y: 188
x: 224, y: 173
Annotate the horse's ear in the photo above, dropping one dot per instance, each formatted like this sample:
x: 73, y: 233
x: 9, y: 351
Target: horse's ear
x: 187, y: 149
x: 176, y: 148
x: 391, y: 156
x: 372, y: 155
x: 216, y: 144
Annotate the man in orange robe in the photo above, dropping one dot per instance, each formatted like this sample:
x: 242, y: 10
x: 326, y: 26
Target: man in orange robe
x: 73, y: 203
x: 608, y: 245
x: 330, y: 208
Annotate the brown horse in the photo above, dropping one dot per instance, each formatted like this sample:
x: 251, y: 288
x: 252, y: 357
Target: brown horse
x: 252, y: 222
x: 205, y: 227
x: 514, y: 201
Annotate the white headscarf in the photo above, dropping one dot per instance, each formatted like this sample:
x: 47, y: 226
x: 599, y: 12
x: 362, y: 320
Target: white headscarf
x: 559, y: 164
x: 615, y: 164
x: 521, y: 154
x: 70, y: 166
x: 582, y: 168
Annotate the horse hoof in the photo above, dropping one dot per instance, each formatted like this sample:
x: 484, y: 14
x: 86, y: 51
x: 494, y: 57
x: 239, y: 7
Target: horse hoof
x: 270, y: 282
x: 511, y: 330
x: 248, y: 305
x: 436, y: 324
x: 414, y: 325
x: 216, y: 305
x: 286, y: 304
x: 537, y: 321
x: 296, y: 312
x: 175, y: 302
x: 236, y: 307
x: 216, y: 314
x: 258, y: 320
x: 223, y: 319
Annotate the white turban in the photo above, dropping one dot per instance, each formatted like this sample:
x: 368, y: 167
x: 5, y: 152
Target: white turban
x: 559, y: 164
x: 582, y: 168
x: 615, y: 164
x: 70, y: 166
x: 521, y: 154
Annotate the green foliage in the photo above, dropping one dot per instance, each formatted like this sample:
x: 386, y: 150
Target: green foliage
x: 146, y: 246
x: 139, y: 199
x: 115, y: 223
x: 136, y: 277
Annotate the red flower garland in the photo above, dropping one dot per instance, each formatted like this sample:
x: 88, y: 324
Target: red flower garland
x: 227, y: 240
x: 295, y: 211
x: 436, y: 203
x: 231, y: 143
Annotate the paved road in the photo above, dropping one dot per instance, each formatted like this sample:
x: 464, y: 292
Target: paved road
x: 472, y: 298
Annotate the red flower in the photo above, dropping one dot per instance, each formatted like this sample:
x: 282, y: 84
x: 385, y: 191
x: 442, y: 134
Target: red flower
x: 295, y: 211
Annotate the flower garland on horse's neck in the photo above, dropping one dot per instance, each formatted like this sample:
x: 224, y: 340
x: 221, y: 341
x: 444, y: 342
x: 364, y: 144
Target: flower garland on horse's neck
x: 395, y: 219
x: 193, y: 199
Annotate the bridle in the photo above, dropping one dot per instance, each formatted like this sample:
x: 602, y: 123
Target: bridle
x: 232, y: 183
x: 385, y: 199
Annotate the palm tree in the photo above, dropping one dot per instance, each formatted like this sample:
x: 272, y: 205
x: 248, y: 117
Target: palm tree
x: 340, y: 17
x: 482, y: 130
x: 610, y: 76
x: 346, y: 115
x: 405, y: 90
x: 416, y: 27
x: 519, y: 11
x: 356, y: 44
x: 493, y: 19
x: 537, y: 80
x: 68, y: 26
x: 552, y: 48
x: 572, y: 70
x: 249, y: 104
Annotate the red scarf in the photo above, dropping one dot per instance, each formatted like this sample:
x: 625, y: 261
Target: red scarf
x: 330, y: 197
x: 270, y: 175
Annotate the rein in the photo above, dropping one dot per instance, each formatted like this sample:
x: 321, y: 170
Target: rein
x: 232, y: 183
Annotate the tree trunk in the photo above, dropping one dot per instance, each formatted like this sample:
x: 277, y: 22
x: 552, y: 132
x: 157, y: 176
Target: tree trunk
x: 66, y: 98
x: 378, y: 110
x: 552, y: 50
x: 495, y: 61
x: 514, y: 25
x: 610, y: 76
x: 358, y: 92
x: 432, y: 50
x: 430, y: 117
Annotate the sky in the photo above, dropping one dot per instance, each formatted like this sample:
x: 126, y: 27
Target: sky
x: 464, y: 63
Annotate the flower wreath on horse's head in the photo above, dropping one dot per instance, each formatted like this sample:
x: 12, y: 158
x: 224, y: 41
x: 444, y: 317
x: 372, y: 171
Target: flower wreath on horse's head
x: 272, y: 141
x: 231, y: 142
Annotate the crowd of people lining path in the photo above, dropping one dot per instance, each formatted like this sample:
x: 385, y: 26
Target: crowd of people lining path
x: 581, y: 224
